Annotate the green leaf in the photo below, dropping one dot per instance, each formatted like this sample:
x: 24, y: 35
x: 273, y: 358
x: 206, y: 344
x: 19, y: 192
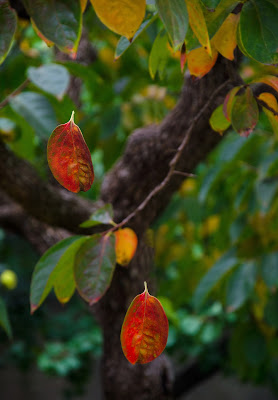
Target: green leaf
x: 218, y: 121
x: 265, y: 193
x: 42, y: 281
x: 103, y: 215
x: 229, y: 102
x: 37, y: 111
x: 4, y: 319
x: 269, y: 269
x: 241, y: 285
x: 255, y: 348
x: 51, y: 78
x: 198, y: 23
x: 159, y: 55
x: 271, y: 311
x: 245, y: 113
x: 258, y: 30
x: 219, y: 269
x: 8, y: 23
x: 173, y: 14
x: 124, y: 43
x: 211, y: 4
x: 60, y: 21
x: 94, y: 267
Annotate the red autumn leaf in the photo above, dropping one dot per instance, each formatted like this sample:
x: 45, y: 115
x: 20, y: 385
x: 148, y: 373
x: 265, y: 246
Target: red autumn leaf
x: 145, y: 329
x: 125, y: 245
x: 69, y: 157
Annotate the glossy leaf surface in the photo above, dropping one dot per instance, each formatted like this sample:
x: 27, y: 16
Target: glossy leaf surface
x: 8, y: 22
x: 103, y: 215
x: 218, y: 121
x: 63, y: 23
x: 145, y: 329
x: 245, y: 113
x: 94, y: 267
x: 52, y: 78
x: 198, y: 23
x: 126, y: 245
x: 200, y: 62
x: 225, y: 38
x: 174, y: 15
x: 69, y: 158
x: 121, y: 16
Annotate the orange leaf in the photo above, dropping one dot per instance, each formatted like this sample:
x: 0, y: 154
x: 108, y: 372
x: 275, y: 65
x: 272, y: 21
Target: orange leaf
x: 125, y: 246
x: 225, y: 38
x: 271, y: 101
x: 83, y: 4
x: 229, y: 101
x: 199, y: 62
x: 270, y: 80
x: 145, y: 329
x: 198, y: 23
x: 69, y: 157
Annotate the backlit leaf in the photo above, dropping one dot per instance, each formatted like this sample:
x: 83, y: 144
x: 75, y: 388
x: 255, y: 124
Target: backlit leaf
x: 4, y: 319
x: 225, y: 38
x: 198, y: 23
x: 125, y: 246
x: 173, y: 14
x: 245, y: 113
x: 258, y: 30
x: 94, y: 267
x: 271, y: 101
x: 8, y: 22
x: 60, y: 21
x: 229, y: 101
x: 218, y: 121
x: 269, y: 80
x: 159, y: 55
x: 42, y: 278
x: 145, y: 329
x: 121, y: 16
x: 69, y: 158
x: 200, y: 62
x: 103, y: 215
x: 52, y: 78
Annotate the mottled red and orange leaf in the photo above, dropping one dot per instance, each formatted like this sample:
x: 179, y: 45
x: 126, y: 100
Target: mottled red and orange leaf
x: 145, y: 329
x: 125, y: 245
x: 69, y: 157
x: 200, y: 62
x: 225, y: 38
x: 229, y: 101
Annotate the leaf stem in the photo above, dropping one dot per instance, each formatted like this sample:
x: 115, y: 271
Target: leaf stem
x: 18, y: 90
x: 72, y: 117
x: 146, y: 287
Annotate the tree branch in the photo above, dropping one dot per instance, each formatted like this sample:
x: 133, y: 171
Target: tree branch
x: 18, y: 90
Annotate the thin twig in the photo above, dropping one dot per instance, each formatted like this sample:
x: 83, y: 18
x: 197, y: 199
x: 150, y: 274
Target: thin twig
x: 186, y: 174
x: 265, y: 105
x: 173, y: 162
x: 14, y: 93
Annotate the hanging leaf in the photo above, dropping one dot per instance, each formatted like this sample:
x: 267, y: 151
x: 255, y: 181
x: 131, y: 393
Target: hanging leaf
x: 200, y: 62
x: 125, y: 246
x: 258, y: 30
x: 145, y: 329
x: 218, y: 121
x: 94, y: 267
x: 271, y: 101
x: 198, y: 23
x: 225, y: 38
x: 43, y: 276
x: 63, y: 23
x: 245, y: 113
x: 121, y: 16
x: 173, y: 14
x: 69, y: 157
x: 229, y: 101
x: 269, y: 80
x: 52, y: 78
x: 8, y: 22
x: 159, y: 55
x: 4, y: 319
x: 103, y: 215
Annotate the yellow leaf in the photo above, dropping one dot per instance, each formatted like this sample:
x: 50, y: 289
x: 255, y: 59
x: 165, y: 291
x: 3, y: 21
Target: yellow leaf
x: 125, y: 245
x: 271, y: 101
x: 225, y: 38
x: 121, y: 16
x: 83, y: 4
x: 198, y: 23
x: 199, y: 62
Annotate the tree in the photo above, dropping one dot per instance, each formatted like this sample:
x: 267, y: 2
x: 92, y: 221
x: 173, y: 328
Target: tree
x: 156, y: 158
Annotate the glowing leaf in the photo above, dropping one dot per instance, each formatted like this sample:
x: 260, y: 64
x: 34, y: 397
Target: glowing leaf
x: 8, y: 22
x: 200, y: 62
x: 69, y: 158
x: 245, y: 113
x: 218, y: 121
x: 270, y: 80
x: 94, y: 267
x: 121, y: 16
x: 145, y: 329
x: 125, y: 246
x: 225, y: 38
x: 271, y: 101
x: 198, y: 23
x: 229, y: 101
